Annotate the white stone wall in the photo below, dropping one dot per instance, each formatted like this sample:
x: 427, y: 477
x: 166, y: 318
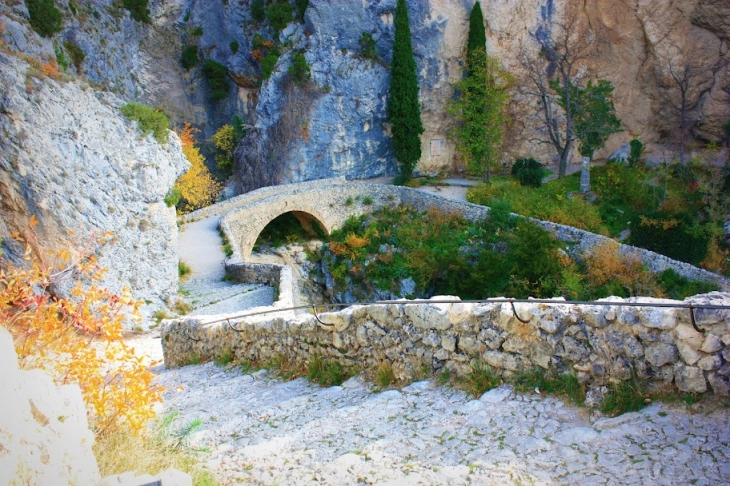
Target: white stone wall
x: 600, y: 343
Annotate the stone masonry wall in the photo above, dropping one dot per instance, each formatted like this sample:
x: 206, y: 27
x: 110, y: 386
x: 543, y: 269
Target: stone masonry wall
x: 600, y: 343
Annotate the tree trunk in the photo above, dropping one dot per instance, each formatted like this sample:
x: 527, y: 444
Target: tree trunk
x: 585, y: 175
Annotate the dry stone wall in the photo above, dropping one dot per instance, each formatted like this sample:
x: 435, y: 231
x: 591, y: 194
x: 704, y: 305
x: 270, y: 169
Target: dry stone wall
x: 600, y: 343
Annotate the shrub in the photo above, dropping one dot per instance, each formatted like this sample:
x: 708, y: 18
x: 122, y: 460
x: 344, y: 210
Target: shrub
x: 636, y: 150
x: 528, y: 171
x: 299, y: 69
x: 268, y: 63
x: 480, y: 379
x: 258, y: 10
x: 197, y: 187
x: 279, y: 14
x: 368, y: 48
x: 173, y: 197
x: 77, y: 338
x: 678, y: 287
x: 198, y: 31
x: 138, y: 10
x: 217, y: 76
x: 234, y: 46
x: 189, y: 58
x: 224, y: 141
x: 384, y: 374
x: 326, y: 373
x: 301, y: 9
x: 61, y: 58
x: 536, y: 269
x: 183, y: 269
x: 609, y: 272
x: 76, y: 53
x: 45, y: 18
x: 150, y: 120
x: 625, y: 396
x: 678, y: 236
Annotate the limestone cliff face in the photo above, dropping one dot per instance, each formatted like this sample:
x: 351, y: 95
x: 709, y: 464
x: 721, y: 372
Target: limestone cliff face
x: 70, y: 158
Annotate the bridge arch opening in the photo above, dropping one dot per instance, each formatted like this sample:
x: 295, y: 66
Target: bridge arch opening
x: 290, y: 227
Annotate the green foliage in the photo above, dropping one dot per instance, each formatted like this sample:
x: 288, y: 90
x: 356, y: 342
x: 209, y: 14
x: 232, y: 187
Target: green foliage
x: 76, y: 54
x: 404, y: 111
x: 678, y: 287
x: 45, y: 18
x: 678, y: 236
x: 479, y: 380
x: 239, y: 127
x: 189, y: 58
x: 528, y: 171
x: 173, y: 197
x: 299, y: 68
x: 225, y: 141
x: 536, y: 269
x: 481, y: 112
x: 225, y: 358
x: 138, y: 10
x: 566, y: 385
x: 285, y: 229
x: 198, y: 31
x: 258, y: 10
x: 301, y: 9
x: 234, y: 46
x: 594, y: 115
x: 384, y: 374
x: 326, y: 373
x: 624, y: 396
x: 368, y: 47
x: 217, y: 76
x: 636, y: 151
x: 149, y: 120
x: 268, y: 63
x: 183, y: 269
x: 477, y: 40
x: 186, y: 17
x: 61, y: 58
x: 279, y: 13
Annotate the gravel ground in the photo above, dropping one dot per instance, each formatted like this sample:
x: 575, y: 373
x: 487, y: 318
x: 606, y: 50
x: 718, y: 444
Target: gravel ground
x: 261, y: 430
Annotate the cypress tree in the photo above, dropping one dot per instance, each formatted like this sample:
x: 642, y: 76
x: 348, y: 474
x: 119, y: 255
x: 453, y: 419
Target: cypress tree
x: 404, y: 111
x: 477, y: 35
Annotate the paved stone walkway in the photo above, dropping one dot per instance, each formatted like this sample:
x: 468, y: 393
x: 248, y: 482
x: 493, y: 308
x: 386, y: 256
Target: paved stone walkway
x: 264, y: 431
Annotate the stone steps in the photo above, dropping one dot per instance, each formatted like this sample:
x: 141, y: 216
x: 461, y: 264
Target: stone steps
x: 209, y: 294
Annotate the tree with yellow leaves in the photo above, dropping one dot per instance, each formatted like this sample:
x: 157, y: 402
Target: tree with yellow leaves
x: 77, y: 336
x: 197, y: 187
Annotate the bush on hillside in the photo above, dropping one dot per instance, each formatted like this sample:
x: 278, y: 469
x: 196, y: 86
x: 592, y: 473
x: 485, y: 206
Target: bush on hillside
x: 299, y: 69
x: 279, y: 13
x: 76, y: 54
x: 528, y: 171
x: 301, y: 9
x: 189, y: 58
x: 368, y: 47
x: 149, y: 120
x: 258, y: 10
x: 678, y: 236
x: 138, y: 10
x: 268, y: 63
x: 45, y: 18
x: 217, y: 76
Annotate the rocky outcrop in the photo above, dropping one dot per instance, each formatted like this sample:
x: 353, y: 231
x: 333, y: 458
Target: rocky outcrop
x: 71, y: 159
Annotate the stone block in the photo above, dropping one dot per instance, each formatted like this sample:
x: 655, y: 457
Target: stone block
x: 710, y: 363
x: 503, y: 361
x: 574, y: 350
x: 711, y: 344
x: 428, y: 317
x: 448, y: 343
x: 491, y: 338
x: 689, y: 354
x: 660, y: 354
x: 690, y: 379
x: 470, y: 346
x: 689, y: 335
x: 720, y: 384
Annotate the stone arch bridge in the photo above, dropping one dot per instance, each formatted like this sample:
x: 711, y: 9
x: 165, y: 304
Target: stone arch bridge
x: 330, y: 202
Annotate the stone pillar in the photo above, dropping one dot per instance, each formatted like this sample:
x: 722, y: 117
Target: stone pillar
x: 585, y: 176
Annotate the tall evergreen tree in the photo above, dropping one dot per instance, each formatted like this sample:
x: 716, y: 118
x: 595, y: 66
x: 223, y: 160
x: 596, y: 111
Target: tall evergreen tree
x: 477, y: 35
x: 404, y: 111
x: 481, y: 106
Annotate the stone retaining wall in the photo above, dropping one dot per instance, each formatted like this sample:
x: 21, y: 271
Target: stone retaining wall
x: 600, y: 343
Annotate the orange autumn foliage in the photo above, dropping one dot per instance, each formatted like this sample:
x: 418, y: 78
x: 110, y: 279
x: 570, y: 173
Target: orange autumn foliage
x: 197, y: 186
x: 76, y: 336
x: 605, y: 263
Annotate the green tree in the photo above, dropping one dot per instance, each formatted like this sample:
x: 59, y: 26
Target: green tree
x: 258, y: 10
x: 299, y: 68
x: 217, y: 76
x: 45, y: 18
x: 224, y: 141
x: 138, y: 10
x: 301, y: 9
x: 279, y: 13
x: 404, y: 111
x: 477, y: 39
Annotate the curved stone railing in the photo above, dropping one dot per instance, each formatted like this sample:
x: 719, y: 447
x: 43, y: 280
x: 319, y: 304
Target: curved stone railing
x: 600, y: 343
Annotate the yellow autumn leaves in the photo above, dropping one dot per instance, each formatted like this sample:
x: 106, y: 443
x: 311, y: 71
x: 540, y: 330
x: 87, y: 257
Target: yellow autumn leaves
x: 197, y: 187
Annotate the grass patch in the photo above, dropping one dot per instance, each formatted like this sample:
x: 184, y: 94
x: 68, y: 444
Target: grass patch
x: 225, y: 358
x: 326, y: 373
x: 160, y: 315
x: 150, y: 120
x: 625, y: 396
x: 183, y: 269
x: 153, y: 451
x: 480, y: 379
x: 564, y: 385
x: 384, y: 375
